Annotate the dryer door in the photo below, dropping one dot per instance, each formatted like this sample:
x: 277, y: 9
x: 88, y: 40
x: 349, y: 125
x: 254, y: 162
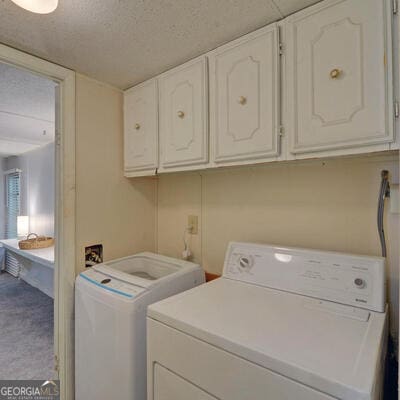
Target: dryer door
x: 181, y: 367
x: 168, y: 386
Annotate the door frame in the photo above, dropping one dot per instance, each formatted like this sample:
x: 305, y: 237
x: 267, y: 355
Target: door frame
x: 64, y: 271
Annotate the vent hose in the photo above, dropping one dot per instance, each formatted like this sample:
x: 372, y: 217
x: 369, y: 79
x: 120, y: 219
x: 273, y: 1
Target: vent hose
x: 384, y: 192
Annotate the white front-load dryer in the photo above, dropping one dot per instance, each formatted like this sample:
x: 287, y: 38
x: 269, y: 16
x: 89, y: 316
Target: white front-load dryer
x: 281, y: 324
x: 110, y: 321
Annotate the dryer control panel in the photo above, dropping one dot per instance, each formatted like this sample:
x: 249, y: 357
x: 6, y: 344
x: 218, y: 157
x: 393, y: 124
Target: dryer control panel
x: 343, y: 278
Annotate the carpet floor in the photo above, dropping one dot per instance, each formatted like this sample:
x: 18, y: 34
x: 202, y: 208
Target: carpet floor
x: 26, y: 331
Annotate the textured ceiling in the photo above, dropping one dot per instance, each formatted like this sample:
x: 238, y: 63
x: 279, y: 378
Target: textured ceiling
x: 27, y: 110
x: 124, y: 42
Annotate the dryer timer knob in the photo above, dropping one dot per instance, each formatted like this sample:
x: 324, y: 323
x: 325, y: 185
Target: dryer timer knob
x: 245, y: 262
x: 359, y: 283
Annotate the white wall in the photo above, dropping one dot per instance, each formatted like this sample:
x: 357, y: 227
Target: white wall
x: 37, y: 187
x: 41, y: 189
x: 110, y: 209
x: 323, y: 204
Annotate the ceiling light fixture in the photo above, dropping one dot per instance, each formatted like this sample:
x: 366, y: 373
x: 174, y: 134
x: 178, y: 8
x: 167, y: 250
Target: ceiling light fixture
x: 37, y: 6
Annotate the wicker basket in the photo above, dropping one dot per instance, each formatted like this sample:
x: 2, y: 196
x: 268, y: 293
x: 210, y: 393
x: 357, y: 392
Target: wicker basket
x: 39, y: 242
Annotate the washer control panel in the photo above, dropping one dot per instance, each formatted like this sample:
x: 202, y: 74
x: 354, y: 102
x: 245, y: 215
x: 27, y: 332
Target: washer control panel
x: 343, y: 278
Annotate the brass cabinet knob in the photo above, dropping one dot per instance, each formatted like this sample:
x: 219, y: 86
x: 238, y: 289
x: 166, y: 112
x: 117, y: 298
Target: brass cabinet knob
x: 335, y: 73
x: 181, y: 114
x: 137, y: 126
x: 242, y: 100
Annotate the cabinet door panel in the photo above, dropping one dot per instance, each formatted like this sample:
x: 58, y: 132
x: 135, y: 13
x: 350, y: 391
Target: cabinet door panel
x: 140, y: 128
x: 184, y: 115
x: 338, y: 92
x: 244, y: 94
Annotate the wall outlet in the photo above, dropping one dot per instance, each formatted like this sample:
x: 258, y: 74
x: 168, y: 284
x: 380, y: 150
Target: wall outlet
x: 193, y: 224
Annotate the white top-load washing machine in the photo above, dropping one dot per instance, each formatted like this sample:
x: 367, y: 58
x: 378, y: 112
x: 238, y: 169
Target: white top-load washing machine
x: 281, y: 323
x: 110, y: 321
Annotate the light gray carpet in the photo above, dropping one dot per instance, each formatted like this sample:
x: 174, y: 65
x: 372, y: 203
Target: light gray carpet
x: 26, y: 331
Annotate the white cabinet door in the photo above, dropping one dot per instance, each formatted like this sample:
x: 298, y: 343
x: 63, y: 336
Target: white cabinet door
x: 141, y: 129
x: 244, y: 98
x: 184, y: 115
x: 338, y: 76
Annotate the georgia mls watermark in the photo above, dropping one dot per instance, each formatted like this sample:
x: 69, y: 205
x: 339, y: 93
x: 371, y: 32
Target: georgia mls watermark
x: 29, y: 390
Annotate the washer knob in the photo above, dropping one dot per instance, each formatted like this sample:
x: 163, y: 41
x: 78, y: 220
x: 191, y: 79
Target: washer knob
x: 359, y: 283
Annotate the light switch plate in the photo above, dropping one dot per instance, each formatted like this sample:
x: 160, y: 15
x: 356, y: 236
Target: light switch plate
x: 193, y: 224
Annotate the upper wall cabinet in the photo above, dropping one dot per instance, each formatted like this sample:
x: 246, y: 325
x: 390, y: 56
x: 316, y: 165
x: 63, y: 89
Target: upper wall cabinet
x: 337, y: 76
x: 141, y: 129
x: 184, y: 116
x: 244, y: 99
x: 339, y: 83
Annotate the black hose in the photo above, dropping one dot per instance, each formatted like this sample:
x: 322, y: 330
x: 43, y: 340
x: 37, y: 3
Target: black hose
x: 384, y: 192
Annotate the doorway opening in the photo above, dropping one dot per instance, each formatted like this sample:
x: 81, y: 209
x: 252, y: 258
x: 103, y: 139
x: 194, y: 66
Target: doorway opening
x: 27, y: 213
x: 64, y: 219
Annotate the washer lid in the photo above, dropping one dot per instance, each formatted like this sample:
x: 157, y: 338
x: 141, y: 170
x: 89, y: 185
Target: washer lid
x: 331, y: 347
x: 115, y: 286
x: 145, y: 269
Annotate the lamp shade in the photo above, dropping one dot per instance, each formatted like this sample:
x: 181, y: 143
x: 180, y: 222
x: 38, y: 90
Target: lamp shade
x: 22, y: 225
x: 38, y: 6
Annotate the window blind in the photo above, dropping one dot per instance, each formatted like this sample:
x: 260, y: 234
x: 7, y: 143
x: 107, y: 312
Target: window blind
x: 13, y: 205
